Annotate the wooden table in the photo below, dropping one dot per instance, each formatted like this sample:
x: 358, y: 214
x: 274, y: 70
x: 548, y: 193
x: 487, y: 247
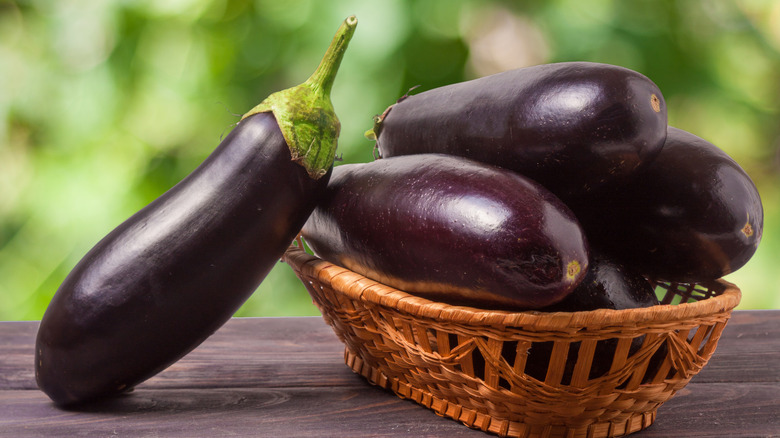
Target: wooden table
x: 285, y: 377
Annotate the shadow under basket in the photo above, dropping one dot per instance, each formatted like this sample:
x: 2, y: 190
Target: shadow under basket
x: 600, y: 373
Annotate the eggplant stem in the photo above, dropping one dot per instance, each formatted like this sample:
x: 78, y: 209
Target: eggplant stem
x: 325, y: 74
x: 305, y: 112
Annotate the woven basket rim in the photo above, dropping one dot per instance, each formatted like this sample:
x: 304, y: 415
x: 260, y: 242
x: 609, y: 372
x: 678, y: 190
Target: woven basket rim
x: 358, y: 287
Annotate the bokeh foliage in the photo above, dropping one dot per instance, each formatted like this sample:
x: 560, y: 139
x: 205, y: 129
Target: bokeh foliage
x: 105, y: 105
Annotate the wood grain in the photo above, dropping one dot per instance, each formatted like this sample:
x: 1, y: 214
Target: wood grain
x: 280, y: 377
x: 343, y: 411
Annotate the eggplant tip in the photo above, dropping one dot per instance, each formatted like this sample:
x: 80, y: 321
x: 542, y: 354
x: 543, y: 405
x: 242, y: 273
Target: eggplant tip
x: 573, y: 270
x: 655, y: 102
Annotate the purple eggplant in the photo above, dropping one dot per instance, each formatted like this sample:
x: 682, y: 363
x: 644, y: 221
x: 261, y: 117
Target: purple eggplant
x: 169, y: 276
x: 450, y: 229
x: 691, y: 215
x: 569, y: 126
x: 608, y: 284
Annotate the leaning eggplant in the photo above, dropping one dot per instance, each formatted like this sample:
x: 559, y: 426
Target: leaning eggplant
x: 450, y: 229
x: 570, y: 126
x: 169, y: 276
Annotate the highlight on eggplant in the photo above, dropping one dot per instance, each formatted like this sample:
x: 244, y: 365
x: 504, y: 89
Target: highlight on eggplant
x: 571, y: 126
x: 169, y: 276
x: 452, y: 230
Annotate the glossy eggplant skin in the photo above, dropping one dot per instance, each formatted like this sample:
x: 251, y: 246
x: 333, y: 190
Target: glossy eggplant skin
x: 691, y: 215
x: 450, y: 229
x: 169, y: 276
x: 569, y: 126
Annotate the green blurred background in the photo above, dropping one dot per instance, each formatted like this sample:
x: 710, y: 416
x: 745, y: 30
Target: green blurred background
x: 105, y: 105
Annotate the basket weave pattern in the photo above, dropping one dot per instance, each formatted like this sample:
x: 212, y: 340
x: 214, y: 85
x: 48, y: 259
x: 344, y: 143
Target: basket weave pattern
x: 600, y: 373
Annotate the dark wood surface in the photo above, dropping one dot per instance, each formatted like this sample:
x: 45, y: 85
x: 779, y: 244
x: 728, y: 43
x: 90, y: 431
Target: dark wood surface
x: 285, y: 377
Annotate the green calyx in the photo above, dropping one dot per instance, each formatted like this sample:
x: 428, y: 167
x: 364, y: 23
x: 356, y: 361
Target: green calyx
x: 305, y: 113
x: 373, y: 133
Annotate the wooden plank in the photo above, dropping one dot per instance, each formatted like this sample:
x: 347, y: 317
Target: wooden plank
x: 346, y: 411
x: 262, y: 352
x: 719, y: 410
x: 287, y: 377
x: 17, y: 352
x: 704, y: 410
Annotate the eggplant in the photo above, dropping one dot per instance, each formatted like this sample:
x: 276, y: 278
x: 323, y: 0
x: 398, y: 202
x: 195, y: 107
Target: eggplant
x: 691, y: 215
x: 169, y: 276
x: 450, y: 229
x: 570, y: 126
x: 609, y: 284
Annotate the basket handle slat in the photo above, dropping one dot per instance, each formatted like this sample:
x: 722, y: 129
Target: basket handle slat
x: 558, y: 356
x: 492, y: 355
x: 663, y: 371
x: 669, y: 292
x: 702, y: 333
x: 423, y: 339
x: 685, y: 292
x: 443, y: 342
x: 521, y: 357
x: 406, y: 331
x: 584, y: 362
x: 712, y: 341
x: 639, y: 371
x: 466, y: 359
x: 621, y: 353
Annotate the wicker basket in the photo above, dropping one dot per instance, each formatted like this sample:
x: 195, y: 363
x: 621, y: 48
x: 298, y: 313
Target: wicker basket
x: 600, y: 373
